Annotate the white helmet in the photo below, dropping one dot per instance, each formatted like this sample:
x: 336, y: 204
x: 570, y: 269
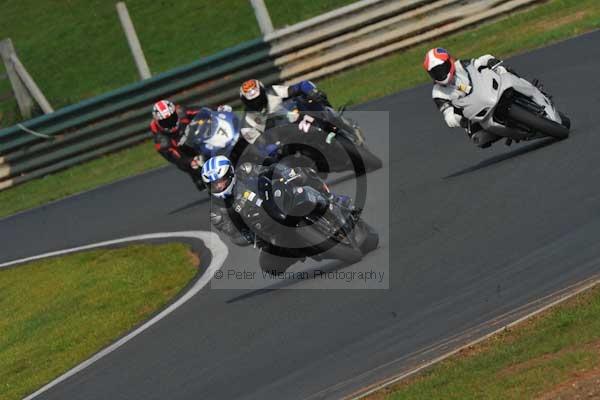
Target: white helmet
x: 440, y: 65
x: 219, y: 176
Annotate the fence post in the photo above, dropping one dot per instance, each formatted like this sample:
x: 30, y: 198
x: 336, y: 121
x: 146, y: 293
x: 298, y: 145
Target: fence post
x: 133, y: 41
x: 30, y: 84
x: 262, y: 16
x: 24, y: 99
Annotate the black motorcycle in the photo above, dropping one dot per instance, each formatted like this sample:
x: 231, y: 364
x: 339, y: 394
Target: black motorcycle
x: 292, y: 219
x: 320, y: 134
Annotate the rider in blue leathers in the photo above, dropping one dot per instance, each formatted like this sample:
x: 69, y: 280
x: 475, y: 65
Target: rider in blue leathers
x: 213, y: 133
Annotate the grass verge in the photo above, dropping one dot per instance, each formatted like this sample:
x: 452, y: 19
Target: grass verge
x: 71, y: 50
x: 553, y: 355
x: 86, y: 176
x: 289, y: 12
x: 56, y: 313
x: 519, y: 32
x: 540, y: 26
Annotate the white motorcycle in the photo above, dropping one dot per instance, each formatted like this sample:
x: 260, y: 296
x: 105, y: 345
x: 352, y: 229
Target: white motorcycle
x: 509, y: 106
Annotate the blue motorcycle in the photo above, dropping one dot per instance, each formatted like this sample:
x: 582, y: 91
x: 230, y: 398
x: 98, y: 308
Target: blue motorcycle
x: 211, y: 133
x: 217, y: 133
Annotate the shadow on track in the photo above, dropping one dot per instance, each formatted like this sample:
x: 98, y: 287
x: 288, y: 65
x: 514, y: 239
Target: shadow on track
x: 329, y: 267
x: 189, y: 205
x: 503, y: 157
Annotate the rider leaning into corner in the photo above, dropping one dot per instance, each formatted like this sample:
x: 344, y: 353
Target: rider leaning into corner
x: 452, y: 82
x: 234, y: 193
x: 168, y: 126
x: 260, y: 101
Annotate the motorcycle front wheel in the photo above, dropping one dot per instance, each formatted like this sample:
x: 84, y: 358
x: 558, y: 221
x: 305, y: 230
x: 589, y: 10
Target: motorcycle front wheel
x: 537, y: 123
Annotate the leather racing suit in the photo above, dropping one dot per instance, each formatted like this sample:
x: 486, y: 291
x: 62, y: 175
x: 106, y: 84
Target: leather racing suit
x: 254, y: 122
x: 460, y: 86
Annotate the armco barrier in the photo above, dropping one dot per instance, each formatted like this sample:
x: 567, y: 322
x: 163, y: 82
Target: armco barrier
x: 311, y: 49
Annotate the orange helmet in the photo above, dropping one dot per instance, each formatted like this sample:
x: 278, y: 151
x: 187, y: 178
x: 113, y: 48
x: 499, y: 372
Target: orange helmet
x: 253, y: 95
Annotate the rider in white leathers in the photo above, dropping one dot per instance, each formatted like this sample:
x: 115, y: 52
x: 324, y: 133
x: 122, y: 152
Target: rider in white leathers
x: 452, y: 82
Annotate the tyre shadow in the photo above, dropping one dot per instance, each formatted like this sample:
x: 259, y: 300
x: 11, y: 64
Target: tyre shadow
x: 190, y: 206
x: 503, y: 157
x: 329, y: 267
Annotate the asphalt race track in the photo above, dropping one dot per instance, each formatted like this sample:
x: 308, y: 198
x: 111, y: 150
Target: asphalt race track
x: 473, y: 234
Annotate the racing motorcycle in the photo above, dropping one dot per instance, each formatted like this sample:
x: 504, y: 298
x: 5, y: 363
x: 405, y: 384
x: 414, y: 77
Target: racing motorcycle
x: 323, y: 135
x: 292, y: 220
x: 509, y: 106
x: 211, y: 133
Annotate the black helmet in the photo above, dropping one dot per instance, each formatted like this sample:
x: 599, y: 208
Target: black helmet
x: 254, y: 95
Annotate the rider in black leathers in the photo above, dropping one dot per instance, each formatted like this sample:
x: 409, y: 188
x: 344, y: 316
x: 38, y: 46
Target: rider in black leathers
x: 238, y: 210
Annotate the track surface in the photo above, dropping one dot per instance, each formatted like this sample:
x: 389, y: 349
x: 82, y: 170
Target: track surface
x: 474, y: 234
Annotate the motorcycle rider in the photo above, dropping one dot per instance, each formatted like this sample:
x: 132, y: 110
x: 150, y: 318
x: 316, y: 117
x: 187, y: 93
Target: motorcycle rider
x: 260, y: 101
x: 451, y: 82
x: 168, y: 126
x: 219, y: 176
x: 236, y: 202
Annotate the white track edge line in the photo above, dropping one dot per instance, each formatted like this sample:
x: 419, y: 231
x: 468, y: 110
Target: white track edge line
x: 211, y: 240
x: 579, y: 289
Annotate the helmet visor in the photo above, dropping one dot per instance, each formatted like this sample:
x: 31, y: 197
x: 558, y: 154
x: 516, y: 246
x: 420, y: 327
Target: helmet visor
x: 222, y: 184
x: 440, y: 72
x: 251, y: 89
x: 169, y: 122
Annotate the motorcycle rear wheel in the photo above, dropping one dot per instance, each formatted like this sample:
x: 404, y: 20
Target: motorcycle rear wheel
x: 370, y: 237
x: 365, y: 160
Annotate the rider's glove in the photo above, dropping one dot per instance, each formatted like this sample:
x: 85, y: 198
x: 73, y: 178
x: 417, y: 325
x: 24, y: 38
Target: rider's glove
x: 250, y: 134
x: 492, y: 62
x: 452, y: 119
x: 162, y: 142
x: 304, y: 87
x: 216, y: 218
x: 224, y: 108
x: 489, y: 61
x: 197, y: 162
x: 243, y: 238
x: 330, y: 137
x: 272, y: 149
x: 309, y: 91
x: 318, y: 97
x: 483, y: 61
x: 292, y: 116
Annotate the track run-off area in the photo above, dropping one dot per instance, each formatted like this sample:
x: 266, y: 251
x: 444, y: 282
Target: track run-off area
x: 472, y: 240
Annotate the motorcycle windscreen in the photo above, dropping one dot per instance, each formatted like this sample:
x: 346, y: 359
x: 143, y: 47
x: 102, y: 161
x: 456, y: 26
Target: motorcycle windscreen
x: 476, y: 106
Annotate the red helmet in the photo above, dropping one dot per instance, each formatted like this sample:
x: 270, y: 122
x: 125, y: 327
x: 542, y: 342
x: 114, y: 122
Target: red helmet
x: 165, y: 114
x: 440, y: 65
